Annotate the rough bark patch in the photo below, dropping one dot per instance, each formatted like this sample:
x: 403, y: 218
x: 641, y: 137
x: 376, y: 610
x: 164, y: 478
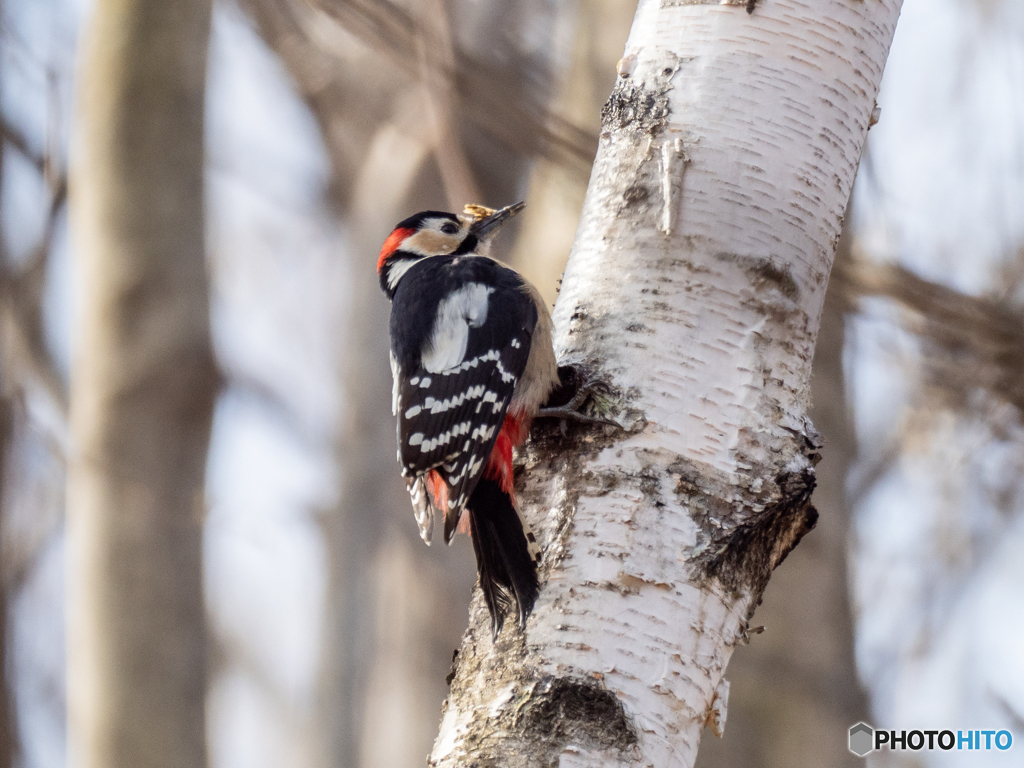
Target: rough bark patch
x: 565, y: 711
x: 747, y: 557
x: 640, y: 109
x: 540, y: 717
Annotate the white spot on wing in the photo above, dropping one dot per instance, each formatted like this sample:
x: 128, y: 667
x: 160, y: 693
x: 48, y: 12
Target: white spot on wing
x: 396, y: 375
x: 464, y: 309
x: 505, y: 375
x: 482, y: 433
x: 455, y: 401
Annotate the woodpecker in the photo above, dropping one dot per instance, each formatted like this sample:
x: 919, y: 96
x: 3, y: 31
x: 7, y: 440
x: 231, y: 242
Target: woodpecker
x: 473, y: 362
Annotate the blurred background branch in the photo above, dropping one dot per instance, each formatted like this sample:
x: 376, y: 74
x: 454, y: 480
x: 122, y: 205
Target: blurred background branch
x: 971, y: 342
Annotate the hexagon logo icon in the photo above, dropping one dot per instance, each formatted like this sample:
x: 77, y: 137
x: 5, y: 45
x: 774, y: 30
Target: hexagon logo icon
x: 862, y: 738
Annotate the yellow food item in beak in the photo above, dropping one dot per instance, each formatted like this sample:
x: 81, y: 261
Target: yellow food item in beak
x: 478, y: 212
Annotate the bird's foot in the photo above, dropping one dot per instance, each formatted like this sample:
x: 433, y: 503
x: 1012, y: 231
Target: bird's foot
x: 570, y: 398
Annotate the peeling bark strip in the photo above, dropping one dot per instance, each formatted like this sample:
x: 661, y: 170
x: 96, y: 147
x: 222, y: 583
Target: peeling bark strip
x: 694, y: 290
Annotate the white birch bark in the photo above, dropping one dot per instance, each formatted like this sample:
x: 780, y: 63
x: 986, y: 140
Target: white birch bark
x: 694, y: 288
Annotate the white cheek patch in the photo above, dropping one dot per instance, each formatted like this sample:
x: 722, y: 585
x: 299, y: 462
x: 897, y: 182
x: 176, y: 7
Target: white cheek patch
x: 456, y: 314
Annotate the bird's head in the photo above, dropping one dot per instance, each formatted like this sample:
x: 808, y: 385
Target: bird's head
x: 437, y: 233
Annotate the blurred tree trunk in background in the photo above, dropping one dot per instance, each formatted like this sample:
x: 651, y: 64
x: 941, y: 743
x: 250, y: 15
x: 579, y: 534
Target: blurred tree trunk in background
x: 794, y: 690
x: 8, y: 741
x: 7, y: 728
x: 142, y: 392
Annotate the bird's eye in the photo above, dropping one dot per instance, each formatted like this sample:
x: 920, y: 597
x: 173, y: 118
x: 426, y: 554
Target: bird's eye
x: 449, y: 228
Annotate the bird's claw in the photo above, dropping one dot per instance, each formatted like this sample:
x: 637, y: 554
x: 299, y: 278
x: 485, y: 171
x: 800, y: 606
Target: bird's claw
x: 571, y: 410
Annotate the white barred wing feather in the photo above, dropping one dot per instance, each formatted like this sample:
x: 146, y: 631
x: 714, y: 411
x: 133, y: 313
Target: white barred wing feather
x: 448, y: 420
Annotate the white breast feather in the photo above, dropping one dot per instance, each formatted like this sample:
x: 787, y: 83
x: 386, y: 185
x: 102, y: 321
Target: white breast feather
x: 456, y: 314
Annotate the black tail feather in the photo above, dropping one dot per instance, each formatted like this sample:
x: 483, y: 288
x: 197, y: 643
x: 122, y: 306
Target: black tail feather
x: 508, y: 572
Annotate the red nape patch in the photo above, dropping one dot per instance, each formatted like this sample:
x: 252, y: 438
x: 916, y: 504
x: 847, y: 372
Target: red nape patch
x: 394, y: 241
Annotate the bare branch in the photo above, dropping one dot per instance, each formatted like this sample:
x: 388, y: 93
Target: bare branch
x: 26, y: 356
x: 19, y: 141
x: 974, y: 341
x: 481, y: 92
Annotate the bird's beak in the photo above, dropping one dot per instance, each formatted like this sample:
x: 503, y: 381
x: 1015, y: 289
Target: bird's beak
x: 487, y: 225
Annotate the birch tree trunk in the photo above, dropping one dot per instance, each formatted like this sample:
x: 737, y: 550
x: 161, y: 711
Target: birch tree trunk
x: 694, y: 289
x: 142, y: 392
x: 795, y: 690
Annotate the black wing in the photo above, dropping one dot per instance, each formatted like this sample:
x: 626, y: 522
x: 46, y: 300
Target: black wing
x: 449, y: 419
